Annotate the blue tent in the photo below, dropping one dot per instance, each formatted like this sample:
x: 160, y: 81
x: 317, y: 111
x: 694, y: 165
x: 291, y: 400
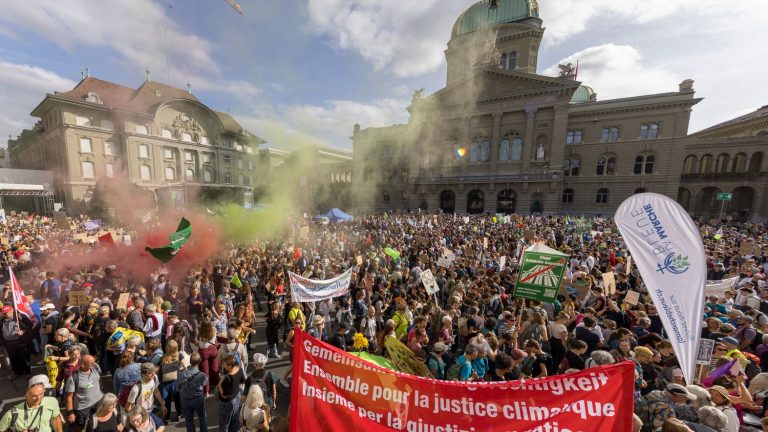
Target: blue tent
x: 335, y: 215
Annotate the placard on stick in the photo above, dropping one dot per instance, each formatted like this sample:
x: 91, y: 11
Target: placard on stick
x: 704, y: 355
x: 632, y: 297
x: 122, y: 301
x: 78, y: 298
x: 609, y: 283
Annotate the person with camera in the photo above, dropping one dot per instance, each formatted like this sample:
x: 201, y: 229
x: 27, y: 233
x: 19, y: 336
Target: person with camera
x: 38, y: 413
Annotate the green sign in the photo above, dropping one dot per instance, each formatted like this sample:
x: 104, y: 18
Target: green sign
x: 724, y: 196
x: 540, y: 276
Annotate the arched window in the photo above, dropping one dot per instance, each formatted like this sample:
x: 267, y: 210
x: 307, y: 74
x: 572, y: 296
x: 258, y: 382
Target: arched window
x: 568, y: 196
x: 485, y: 151
x: 739, y: 163
x: 610, y: 166
x: 571, y: 166
x: 506, y: 201
x: 504, y: 150
x: 517, y: 149
x: 650, y: 160
x: 689, y: 166
x: 600, y: 166
x: 475, y: 202
x: 721, y: 167
x: 706, y: 164
x: 644, y: 164
x: 207, y: 176
x: 474, y: 152
x: 684, y: 197
x: 503, y: 61
x: 189, y: 174
x: 755, y: 162
x: 602, y: 196
x: 170, y: 173
x: 227, y: 177
x: 567, y: 167
x: 447, y: 201
x: 512, y: 61
x: 146, y: 172
x: 640, y: 190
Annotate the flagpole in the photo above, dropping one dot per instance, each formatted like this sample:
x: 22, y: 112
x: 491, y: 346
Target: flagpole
x: 13, y: 298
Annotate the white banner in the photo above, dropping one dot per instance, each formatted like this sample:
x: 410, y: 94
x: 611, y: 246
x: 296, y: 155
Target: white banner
x: 305, y: 290
x: 667, y: 250
x: 719, y: 287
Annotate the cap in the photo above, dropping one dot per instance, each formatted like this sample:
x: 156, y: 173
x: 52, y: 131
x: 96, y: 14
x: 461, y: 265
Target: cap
x: 518, y: 354
x: 677, y: 389
x: 729, y: 339
x: 148, y: 368
x: 440, y: 347
x: 47, y: 306
x: 7, y: 309
x: 259, y: 360
x: 317, y: 320
x: 39, y: 379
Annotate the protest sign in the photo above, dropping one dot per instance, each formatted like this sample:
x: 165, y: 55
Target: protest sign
x: 404, y: 359
x: 632, y: 297
x: 485, y: 243
x: 334, y: 390
x: 428, y: 279
x: 359, y: 260
x: 308, y: 290
x: 122, y: 301
x: 628, y: 269
x: 502, y: 263
x: 444, y: 262
x: 609, y: 283
x: 421, y: 239
x: 706, y: 347
x: 78, y: 298
x: 746, y: 248
x: 719, y: 287
x: 541, y: 270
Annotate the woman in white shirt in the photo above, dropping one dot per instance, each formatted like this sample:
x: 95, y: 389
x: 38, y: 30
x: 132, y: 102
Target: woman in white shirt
x: 722, y: 401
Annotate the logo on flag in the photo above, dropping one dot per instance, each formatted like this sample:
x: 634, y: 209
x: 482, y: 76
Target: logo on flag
x: 674, y: 264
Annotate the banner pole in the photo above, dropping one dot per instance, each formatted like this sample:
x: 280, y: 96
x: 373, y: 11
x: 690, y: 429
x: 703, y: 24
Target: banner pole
x: 13, y: 298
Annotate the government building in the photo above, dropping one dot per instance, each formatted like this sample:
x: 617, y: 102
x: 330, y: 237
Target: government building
x: 501, y: 138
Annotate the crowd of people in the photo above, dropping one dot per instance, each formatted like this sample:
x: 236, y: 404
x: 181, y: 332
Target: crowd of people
x: 177, y: 338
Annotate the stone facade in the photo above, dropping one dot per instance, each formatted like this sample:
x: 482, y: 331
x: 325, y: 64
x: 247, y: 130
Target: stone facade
x: 502, y: 138
x: 158, y: 137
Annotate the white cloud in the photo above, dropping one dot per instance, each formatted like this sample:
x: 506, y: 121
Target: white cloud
x: 23, y: 87
x: 611, y: 70
x: 408, y: 38
x: 136, y: 30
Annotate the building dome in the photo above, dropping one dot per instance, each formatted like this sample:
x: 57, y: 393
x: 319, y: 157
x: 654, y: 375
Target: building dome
x: 584, y: 94
x: 488, y: 13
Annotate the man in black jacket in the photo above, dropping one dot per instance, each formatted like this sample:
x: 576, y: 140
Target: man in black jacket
x: 15, y: 335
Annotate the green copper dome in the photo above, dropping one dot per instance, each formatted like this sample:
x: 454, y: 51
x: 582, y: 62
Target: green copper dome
x: 488, y: 13
x: 584, y: 94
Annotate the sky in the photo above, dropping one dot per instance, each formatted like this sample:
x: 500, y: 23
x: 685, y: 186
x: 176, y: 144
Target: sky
x: 299, y: 72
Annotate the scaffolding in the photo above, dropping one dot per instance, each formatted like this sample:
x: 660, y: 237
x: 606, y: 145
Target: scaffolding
x: 43, y: 200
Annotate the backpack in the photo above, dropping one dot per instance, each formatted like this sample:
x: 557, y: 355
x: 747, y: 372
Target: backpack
x: 643, y: 410
x: 757, y: 340
x: 122, y: 398
x: 454, y: 372
x: 234, y: 353
x: 261, y: 382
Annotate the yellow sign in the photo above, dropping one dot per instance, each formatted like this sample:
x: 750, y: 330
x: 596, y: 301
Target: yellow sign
x: 404, y: 359
x: 78, y: 298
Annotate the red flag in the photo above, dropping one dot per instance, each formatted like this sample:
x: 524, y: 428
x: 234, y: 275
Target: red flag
x: 20, y: 302
x: 107, y: 240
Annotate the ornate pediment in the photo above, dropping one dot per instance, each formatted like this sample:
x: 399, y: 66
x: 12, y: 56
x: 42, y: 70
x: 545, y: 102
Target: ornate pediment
x: 185, y: 124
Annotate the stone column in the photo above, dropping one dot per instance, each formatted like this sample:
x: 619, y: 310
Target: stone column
x: 528, y: 146
x: 495, y: 137
x: 559, y: 132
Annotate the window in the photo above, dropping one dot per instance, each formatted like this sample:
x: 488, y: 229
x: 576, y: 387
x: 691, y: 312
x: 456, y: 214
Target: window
x: 602, y: 196
x: 517, y: 149
x: 568, y: 196
x: 206, y: 158
x: 93, y: 98
x: 689, y: 166
x: 474, y: 152
x: 189, y: 157
x: 644, y: 164
x: 186, y: 137
x: 141, y: 129
x: 109, y: 149
x: 571, y: 166
x: 653, y: 131
x: 610, y: 134
x: 207, y: 176
x: 238, y: 147
x: 485, y: 151
x: 721, y: 167
x: 239, y: 163
x: 606, y: 166
x: 189, y: 174
x: 639, y: 164
x: 227, y: 160
x: 168, y: 153
x: 643, y: 131
x: 512, y: 61
x: 166, y: 133
x: 573, y: 137
x: 705, y: 165
x: 88, y: 171
x: 170, y: 173
x: 250, y: 165
x: 385, y: 196
x: 755, y: 162
x: 650, y: 160
x: 503, y: 61
x: 82, y: 120
x: 85, y: 145
x: 240, y: 179
x: 109, y: 170
x: 227, y: 178
x: 203, y: 140
x: 504, y: 150
x: 739, y: 164
x: 146, y: 173
x: 106, y: 124
x: 143, y: 151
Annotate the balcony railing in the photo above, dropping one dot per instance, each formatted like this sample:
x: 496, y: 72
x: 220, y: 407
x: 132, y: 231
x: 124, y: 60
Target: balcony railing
x: 505, y: 178
x: 723, y: 176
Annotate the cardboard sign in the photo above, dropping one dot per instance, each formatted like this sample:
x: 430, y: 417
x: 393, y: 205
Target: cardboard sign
x: 359, y: 260
x: 122, y: 301
x: 485, y: 243
x: 78, y: 298
x: 502, y: 263
x: 628, y: 269
x: 404, y: 359
x: 4, y: 241
x: 714, y: 221
x: 633, y: 297
x: 428, y: 279
x: 609, y: 283
x: 447, y: 252
x: 704, y: 355
x: 423, y: 259
x: 444, y: 262
x: 421, y: 239
x: 746, y: 248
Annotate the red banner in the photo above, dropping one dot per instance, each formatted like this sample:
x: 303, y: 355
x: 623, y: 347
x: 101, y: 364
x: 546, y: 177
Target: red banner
x: 333, y: 390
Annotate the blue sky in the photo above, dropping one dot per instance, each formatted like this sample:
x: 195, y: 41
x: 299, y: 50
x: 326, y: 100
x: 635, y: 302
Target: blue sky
x: 304, y: 71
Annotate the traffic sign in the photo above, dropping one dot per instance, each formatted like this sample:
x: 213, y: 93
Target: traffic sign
x: 724, y: 196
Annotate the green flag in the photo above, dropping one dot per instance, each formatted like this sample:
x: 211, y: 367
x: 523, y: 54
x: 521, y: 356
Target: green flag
x: 392, y: 253
x: 178, y: 238
x: 236, y: 281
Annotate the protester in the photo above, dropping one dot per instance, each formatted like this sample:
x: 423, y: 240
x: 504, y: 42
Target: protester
x: 192, y: 384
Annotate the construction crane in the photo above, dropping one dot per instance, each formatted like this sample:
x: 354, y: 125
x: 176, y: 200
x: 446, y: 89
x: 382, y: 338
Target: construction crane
x: 235, y: 5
